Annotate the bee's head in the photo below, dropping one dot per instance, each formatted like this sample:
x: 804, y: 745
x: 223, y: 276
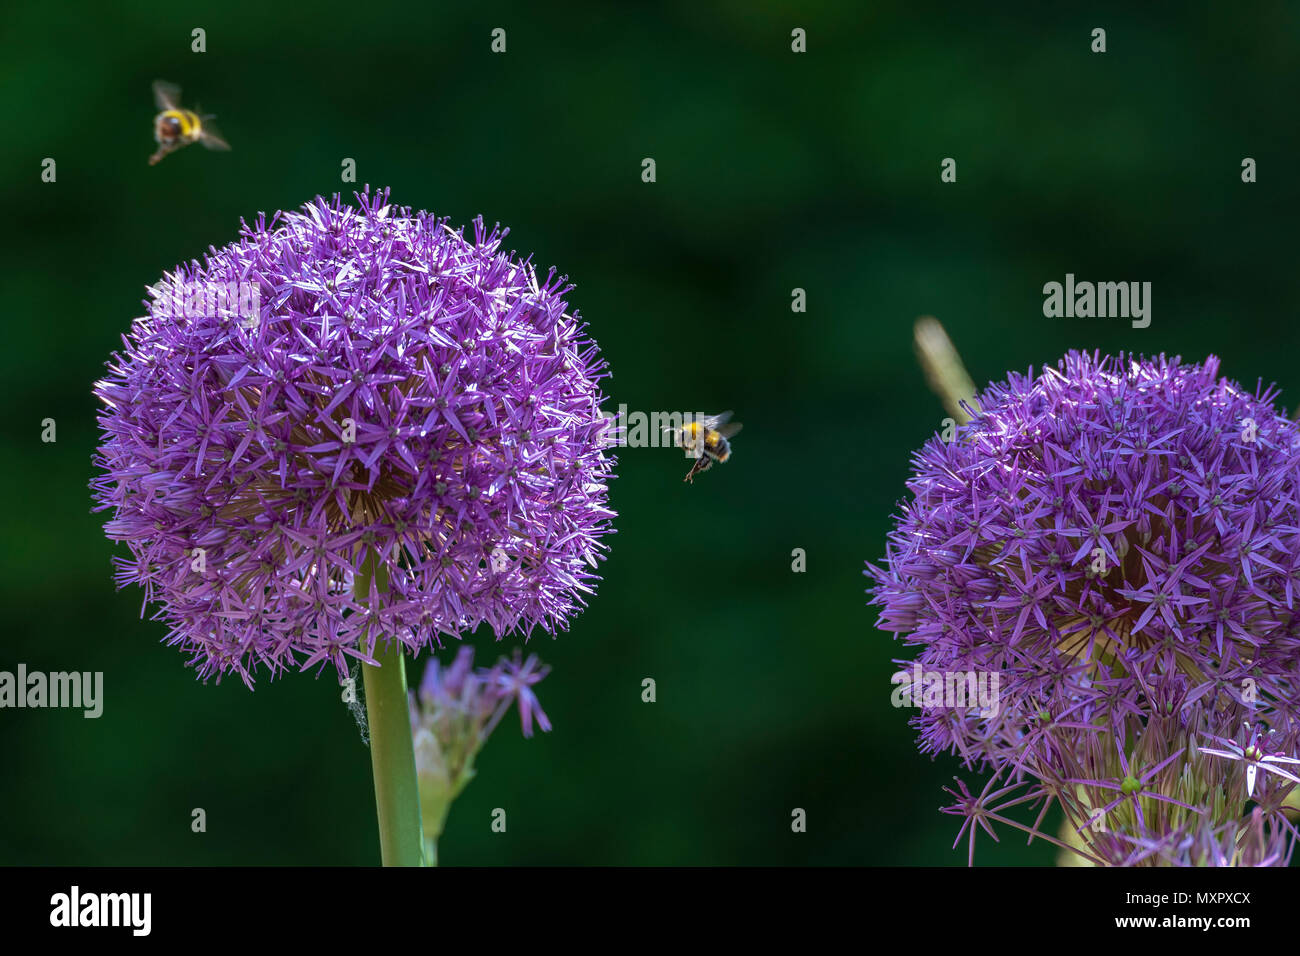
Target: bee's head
x: 169, y: 127
x: 689, y: 436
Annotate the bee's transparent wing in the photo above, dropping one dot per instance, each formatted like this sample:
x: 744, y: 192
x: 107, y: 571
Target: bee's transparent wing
x: 209, y: 136
x: 166, y: 95
x: 713, y: 421
x: 726, y: 431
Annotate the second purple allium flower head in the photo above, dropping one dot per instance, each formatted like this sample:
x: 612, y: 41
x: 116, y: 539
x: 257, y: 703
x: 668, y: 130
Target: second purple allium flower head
x: 1119, y: 540
x: 405, y: 393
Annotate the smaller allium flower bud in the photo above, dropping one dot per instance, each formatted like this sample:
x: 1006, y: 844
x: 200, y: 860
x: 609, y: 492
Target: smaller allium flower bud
x: 452, y: 716
x: 1118, y: 540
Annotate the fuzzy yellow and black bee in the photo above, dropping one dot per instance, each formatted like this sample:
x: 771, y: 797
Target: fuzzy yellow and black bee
x: 175, y: 128
x: 707, y: 439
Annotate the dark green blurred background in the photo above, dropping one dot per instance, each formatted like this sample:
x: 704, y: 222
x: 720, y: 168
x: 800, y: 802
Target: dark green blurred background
x: 775, y: 171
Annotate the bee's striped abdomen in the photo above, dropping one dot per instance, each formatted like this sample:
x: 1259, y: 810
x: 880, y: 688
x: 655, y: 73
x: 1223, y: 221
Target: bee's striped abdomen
x: 190, y: 124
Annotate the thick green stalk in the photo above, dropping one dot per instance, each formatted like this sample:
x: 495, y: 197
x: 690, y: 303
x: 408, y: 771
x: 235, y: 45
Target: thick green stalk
x: 392, y: 757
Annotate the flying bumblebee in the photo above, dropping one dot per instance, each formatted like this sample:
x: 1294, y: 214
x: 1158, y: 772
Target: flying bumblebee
x: 706, y: 438
x: 174, y: 128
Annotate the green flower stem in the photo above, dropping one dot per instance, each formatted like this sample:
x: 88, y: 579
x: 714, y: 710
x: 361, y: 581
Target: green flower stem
x: 397, y: 795
x: 943, y: 368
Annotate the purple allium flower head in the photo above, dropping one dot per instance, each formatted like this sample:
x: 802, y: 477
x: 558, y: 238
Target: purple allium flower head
x: 401, y: 391
x: 1118, y: 539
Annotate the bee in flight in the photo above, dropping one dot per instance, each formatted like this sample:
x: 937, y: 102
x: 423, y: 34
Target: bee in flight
x: 706, y: 438
x: 175, y: 128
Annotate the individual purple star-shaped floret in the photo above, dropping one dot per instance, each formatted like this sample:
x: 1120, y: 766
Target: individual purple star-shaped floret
x: 1253, y: 755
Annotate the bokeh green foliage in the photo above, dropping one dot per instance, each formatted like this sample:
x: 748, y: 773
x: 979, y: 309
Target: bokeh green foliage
x: 775, y: 171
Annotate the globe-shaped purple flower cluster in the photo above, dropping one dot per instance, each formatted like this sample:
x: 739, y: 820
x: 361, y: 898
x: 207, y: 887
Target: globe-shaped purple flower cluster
x: 404, y: 400
x: 1118, y: 539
